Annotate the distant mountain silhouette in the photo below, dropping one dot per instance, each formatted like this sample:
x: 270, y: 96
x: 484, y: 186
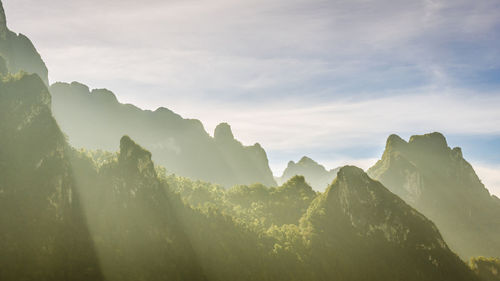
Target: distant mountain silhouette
x: 440, y: 183
x: 315, y: 174
x: 95, y: 120
x: 18, y: 51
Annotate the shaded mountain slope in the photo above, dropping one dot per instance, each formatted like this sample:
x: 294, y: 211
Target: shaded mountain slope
x: 359, y: 224
x: 42, y: 222
x: 95, y: 119
x: 19, y: 52
x: 315, y: 174
x: 436, y: 180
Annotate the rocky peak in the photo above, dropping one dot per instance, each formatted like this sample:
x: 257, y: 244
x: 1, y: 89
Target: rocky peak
x: 352, y: 181
x: 135, y: 158
x: 374, y: 211
x: 223, y: 132
x: 395, y: 141
x: 435, y: 141
x: 307, y: 161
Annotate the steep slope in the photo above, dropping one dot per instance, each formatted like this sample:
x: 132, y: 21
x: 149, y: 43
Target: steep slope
x: 95, y: 119
x: 19, y: 52
x: 316, y: 175
x: 42, y: 221
x: 358, y: 224
x: 440, y: 183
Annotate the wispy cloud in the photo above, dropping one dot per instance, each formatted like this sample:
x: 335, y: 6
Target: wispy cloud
x: 330, y: 79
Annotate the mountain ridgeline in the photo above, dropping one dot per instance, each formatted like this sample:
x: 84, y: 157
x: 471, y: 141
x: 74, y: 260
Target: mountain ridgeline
x: 18, y: 51
x: 314, y: 173
x: 95, y: 119
x: 436, y: 180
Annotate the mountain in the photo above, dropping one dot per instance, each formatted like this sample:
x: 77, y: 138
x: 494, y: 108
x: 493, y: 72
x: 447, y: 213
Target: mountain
x: 436, y: 180
x: 316, y: 175
x: 42, y: 221
x: 95, y: 119
x: 69, y: 214
x: 18, y: 51
x: 359, y: 230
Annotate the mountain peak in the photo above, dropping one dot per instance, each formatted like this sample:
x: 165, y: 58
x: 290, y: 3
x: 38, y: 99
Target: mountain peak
x: 223, y: 132
x: 435, y: 140
x: 135, y: 157
x: 394, y: 141
x: 350, y: 179
x: 347, y: 172
x: 306, y: 160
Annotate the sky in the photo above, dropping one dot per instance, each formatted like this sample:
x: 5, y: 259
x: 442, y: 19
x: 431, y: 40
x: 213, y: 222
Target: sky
x: 326, y: 79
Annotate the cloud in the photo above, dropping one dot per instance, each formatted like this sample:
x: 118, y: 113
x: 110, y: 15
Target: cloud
x: 325, y: 78
x: 489, y: 175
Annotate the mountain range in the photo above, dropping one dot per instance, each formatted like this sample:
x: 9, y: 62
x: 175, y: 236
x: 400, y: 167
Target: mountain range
x: 92, y: 189
x: 316, y: 175
x: 117, y: 219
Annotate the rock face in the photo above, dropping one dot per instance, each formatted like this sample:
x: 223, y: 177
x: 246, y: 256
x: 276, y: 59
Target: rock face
x: 19, y: 52
x: 358, y: 223
x: 95, y: 120
x: 315, y: 174
x: 436, y: 180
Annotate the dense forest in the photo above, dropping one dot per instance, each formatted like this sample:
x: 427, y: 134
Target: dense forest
x: 83, y: 213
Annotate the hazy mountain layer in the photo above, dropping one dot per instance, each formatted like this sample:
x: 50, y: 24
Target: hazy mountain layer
x: 95, y: 120
x: 441, y: 184
x: 19, y: 52
x: 315, y: 174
